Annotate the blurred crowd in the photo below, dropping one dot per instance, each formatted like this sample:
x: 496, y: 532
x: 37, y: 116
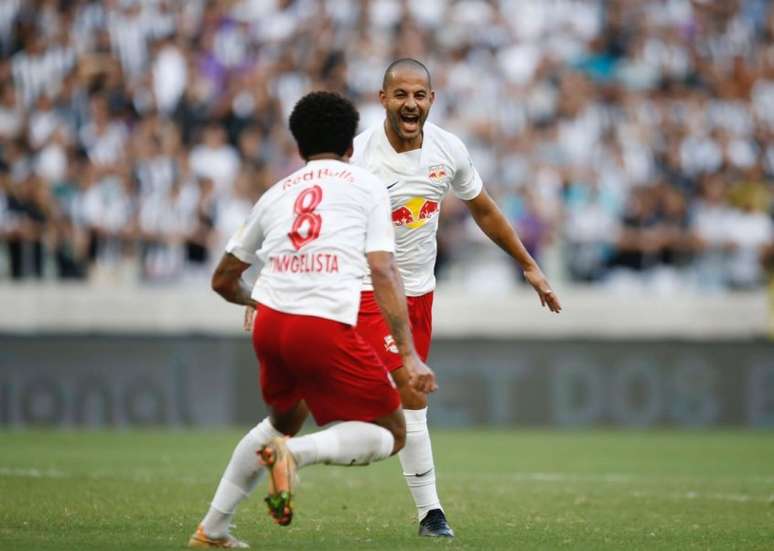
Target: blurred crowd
x: 631, y: 143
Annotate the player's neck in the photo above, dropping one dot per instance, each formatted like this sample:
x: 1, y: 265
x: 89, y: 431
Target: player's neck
x: 326, y: 157
x: 400, y: 145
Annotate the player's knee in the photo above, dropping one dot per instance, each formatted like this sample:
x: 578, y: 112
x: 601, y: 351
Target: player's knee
x: 396, y: 424
x: 399, y: 436
x: 291, y: 420
x: 412, y: 399
x: 282, y: 425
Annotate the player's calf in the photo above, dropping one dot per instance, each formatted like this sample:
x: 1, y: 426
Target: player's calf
x: 347, y: 443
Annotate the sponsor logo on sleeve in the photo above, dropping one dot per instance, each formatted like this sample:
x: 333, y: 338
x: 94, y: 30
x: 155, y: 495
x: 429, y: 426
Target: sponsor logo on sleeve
x: 389, y: 344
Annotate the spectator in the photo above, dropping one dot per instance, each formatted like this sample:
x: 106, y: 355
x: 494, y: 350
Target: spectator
x: 134, y: 133
x: 712, y: 228
x: 214, y: 158
x: 751, y: 233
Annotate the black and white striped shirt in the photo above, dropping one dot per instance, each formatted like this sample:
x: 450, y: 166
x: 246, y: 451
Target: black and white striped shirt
x: 34, y: 74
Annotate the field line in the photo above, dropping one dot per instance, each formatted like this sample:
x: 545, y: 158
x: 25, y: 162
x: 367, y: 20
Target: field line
x: 613, y: 478
x: 32, y: 473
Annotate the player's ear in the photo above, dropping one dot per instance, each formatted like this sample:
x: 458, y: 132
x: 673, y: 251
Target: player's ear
x: 432, y: 96
x: 350, y: 151
x: 382, y: 98
x: 301, y: 154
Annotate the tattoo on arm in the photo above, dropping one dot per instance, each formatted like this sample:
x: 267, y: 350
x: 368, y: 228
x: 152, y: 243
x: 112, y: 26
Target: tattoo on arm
x: 388, y: 290
x: 399, y: 330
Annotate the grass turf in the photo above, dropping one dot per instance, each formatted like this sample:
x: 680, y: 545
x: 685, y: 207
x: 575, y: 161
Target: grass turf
x: 501, y: 490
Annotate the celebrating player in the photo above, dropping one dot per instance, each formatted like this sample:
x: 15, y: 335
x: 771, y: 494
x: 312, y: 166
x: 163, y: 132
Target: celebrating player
x: 418, y: 163
x: 316, y: 233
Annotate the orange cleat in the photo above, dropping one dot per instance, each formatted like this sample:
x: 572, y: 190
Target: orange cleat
x: 282, y: 477
x: 200, y: 540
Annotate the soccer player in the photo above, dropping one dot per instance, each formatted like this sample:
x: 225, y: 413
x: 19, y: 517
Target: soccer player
x: 316, y: 233
x: 418, y: 163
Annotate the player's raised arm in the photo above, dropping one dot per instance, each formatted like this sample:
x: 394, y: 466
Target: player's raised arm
x: 495, y: 225
x: 227, y: 281
x: 388, y: 291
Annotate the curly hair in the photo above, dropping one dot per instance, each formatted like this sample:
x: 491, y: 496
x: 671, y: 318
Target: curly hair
x: 323, y: 122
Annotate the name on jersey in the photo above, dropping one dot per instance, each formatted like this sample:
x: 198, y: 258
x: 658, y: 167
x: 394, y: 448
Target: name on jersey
x: 318, y: 174
x: 305, y: 263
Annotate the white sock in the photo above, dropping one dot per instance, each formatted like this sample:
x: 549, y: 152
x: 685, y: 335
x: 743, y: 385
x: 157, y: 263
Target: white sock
x: 239, y: 480
x: 416, y: 458
x: 348, y: 443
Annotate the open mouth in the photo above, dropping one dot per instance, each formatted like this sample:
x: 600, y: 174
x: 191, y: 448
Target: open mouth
x: 409, y: 122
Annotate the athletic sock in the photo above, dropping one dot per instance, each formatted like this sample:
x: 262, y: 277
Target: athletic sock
x: 239, y: 480
x: 348, y: 443
x: 416, y: 459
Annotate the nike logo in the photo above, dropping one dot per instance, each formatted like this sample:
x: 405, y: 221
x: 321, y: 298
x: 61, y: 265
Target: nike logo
x: 393, y: 184
x: 420, y: 475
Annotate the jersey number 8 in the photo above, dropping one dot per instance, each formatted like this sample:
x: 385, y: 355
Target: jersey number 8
x: 306, y: 202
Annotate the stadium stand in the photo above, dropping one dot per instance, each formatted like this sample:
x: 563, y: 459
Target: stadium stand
x: 631, y: 143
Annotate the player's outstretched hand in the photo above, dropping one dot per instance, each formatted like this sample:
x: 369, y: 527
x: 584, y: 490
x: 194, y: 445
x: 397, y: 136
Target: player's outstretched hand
x: 249, y: 319
x: 421, y: 377
x: 539, y: 282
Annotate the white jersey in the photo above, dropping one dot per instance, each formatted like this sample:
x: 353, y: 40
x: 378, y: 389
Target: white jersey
x: 311, y: 232
x: 417, y: 181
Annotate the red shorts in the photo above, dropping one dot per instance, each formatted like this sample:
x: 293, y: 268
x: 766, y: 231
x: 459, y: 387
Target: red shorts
x: 324, y: 362
x: 374, y: 329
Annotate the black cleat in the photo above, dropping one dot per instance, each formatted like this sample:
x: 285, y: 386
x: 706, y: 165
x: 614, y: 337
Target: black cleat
x: 434, y: 525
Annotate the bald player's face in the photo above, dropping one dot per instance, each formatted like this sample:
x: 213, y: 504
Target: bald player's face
x: 407, y: 99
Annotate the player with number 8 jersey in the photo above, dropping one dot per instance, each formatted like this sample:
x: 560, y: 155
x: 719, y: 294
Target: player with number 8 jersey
x: 316, y: 234
x: 312, y: 227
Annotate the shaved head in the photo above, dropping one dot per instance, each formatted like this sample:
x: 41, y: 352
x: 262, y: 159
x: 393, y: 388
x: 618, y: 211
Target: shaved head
x: 406, y: 96
x: 405, y: 64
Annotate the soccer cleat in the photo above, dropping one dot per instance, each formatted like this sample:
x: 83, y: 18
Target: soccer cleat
x: 434, y: 525
x: 282, y: 477
x: 200, y: 540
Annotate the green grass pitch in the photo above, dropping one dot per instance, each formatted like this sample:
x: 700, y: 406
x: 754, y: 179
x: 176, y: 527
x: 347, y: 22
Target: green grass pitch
x: 502, y: 490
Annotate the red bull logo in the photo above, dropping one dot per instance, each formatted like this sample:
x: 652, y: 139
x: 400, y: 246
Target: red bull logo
x: 415, y: 213
x: 436, y: 173
x: 428, y: 209
x: 402, y: 216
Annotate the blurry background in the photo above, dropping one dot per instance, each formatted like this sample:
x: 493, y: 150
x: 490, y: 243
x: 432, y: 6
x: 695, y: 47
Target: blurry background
x: 631, y: 144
